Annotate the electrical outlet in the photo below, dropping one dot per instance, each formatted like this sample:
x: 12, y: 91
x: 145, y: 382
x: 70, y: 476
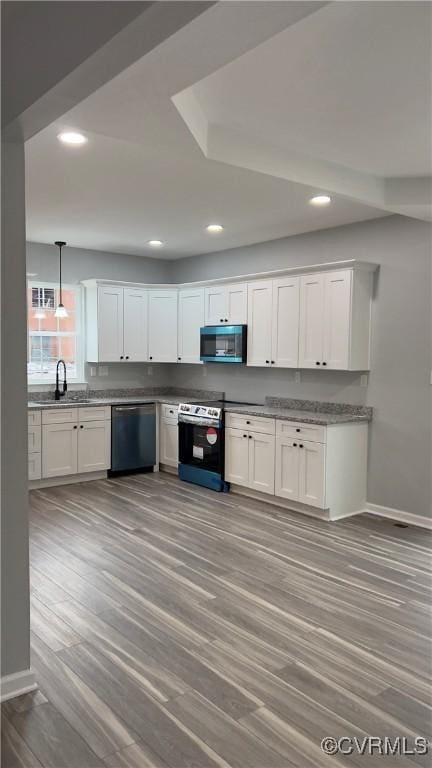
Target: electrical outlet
x: 150, y: 370
x: 297, y: 377
x: 103, y: 370
x: 93, y: 370
x: 364, y: 380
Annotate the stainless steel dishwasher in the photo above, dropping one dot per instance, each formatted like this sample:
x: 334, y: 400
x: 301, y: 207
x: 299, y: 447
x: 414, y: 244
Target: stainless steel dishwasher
x: 133, y: 438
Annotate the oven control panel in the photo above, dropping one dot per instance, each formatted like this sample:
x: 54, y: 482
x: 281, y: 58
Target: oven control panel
x: 200, y: 411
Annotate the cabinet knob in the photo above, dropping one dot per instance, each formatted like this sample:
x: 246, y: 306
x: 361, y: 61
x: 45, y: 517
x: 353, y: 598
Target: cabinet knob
x: 317, y: 363
x: 324, y: 363
x: 248, y: 422
x: 297, y: 430
x: 226, y: 319
x: 179, y: 358
x: 75, y: 426
x: 294, y: 445
x: 81, y: 426
x: 250, y: 437
x: 127, y: 357
x: 221, y: 320
x: 121, y: 357
x: 267, y: 361
x: 301, y: 445
x: 150, y: 357
x: 244, y: 435
x: 272, y: 362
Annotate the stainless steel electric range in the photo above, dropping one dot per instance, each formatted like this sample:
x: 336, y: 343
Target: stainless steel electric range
x: 201, y: 430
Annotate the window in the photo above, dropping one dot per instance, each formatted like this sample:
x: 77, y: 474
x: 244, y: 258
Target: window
x: 51, y: 338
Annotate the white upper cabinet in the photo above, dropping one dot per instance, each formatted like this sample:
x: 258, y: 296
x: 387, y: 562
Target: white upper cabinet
x: 135, y: 329
x: 311, y: 320
x: 190, y: 320
x: 335, y: 312
x: 260, y: 314
x: 236, y: 304
x: 215, y: 305
x: 273, y: 322
x: 109, y: 325
x: 226, y: 304
x: 285, y: 322
x: 162, y: 316
x: 116, y: 322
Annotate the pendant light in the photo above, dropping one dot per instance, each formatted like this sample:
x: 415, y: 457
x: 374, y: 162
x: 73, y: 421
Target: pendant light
x: 61, y: 309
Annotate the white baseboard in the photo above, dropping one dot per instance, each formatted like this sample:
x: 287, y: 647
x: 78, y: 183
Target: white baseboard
x: 399, y: 515
x: 17, y: 684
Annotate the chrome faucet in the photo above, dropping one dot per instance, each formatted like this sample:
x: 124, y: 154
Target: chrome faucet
x: 57, y: 393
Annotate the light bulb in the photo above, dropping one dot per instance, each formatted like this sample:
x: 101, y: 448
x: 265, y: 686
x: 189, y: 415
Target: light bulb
x: 61, y: 311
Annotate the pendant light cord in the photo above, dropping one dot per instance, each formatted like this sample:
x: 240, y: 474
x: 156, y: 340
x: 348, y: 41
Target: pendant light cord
x: 60, y: 274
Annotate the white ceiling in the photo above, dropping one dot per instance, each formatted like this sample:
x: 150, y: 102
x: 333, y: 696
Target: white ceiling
x: 313, y: 88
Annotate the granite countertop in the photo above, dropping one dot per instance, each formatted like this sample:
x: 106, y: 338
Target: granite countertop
x: 116, y: 397
x: 291, y: 414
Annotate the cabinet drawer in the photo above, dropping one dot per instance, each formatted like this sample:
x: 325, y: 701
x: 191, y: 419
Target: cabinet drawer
x: 34, y: 418
x: 312, y: 432
x: 34, y: 439
x: 250, y: 423
x: 97, y: 413
x: 169, y: 411
x: 34, y: 466
x: 60, y: 416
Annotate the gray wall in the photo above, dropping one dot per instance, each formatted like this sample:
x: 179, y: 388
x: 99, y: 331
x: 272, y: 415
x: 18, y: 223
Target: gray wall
x: 80, y: 264
x: 15, y: 611
x: 399, y: 382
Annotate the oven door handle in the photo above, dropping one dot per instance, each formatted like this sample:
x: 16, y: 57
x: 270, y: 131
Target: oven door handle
x: 198, y: 421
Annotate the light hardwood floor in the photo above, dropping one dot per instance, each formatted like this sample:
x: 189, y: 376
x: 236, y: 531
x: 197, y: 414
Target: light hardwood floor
x: 174, y: 627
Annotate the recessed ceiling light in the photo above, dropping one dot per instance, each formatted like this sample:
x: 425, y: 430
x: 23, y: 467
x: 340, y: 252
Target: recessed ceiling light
x: 71, y: 137
x: 155, y: 243
x: 320, y: 200
x: 214, y: 228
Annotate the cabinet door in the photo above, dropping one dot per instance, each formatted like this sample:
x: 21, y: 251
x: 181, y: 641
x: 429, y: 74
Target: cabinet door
x: 135, y: 327
x: 337, y: 311
x: 190, y: 319
x: 261, y: 462
x: 168, y: 440
x: 94, y: 446
x: 215, y: 305
x: 287, y: 468
x: 162, y: 314
x: 237, y: 456
x: 311, y: 321
x: 285, y: 323
x: 236, y: 304
x: 312, y: 474
x: 259, y: 323
x: 59, y: 449
x: 110, y: 324
x: 34, y: 466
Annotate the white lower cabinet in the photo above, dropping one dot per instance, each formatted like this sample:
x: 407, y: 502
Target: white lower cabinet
x: 59, y: 449
x: 321, y: 466
x: 94, y: 446
x: 249, y: 459
x: 34, y: 445
x: 300, y: 471
x: 261, y: 462
x: 74, y: 440
x: 168, y: 436
x: 236, y: 456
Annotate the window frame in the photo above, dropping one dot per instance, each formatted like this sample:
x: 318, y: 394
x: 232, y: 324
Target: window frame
x: 77, y: 334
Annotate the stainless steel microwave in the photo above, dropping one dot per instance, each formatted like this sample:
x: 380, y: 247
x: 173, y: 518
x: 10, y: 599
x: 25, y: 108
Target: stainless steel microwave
x: 223, y: 344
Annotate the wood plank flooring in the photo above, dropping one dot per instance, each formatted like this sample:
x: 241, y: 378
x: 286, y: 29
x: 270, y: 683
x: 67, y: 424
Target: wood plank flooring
x: 174, y: 627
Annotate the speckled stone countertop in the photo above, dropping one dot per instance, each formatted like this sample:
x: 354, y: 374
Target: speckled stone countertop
x: 307, y: 411
x: 89, y: 398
